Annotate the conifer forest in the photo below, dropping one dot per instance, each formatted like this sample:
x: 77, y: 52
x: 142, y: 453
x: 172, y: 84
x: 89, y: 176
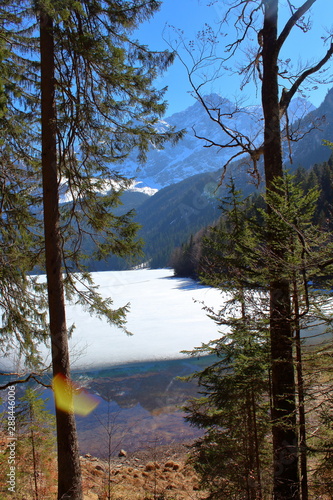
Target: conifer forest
x: 103, y: 189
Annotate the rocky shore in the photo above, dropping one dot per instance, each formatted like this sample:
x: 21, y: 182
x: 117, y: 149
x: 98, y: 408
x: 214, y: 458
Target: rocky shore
x: 152, y: 474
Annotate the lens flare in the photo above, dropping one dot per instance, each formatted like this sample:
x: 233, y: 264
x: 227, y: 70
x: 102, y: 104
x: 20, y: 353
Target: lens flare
x: 71, y: 398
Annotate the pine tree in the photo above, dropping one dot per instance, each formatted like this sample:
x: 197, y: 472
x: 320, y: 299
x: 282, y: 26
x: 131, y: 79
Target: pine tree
x: 232, y: 456
x: 307, y: 249
x: 22, y: 299
x: 277, y: 86
x: 238, y: 260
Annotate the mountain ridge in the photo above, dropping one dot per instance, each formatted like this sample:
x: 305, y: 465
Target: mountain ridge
x: 183, y: 207
x: 192, y: 155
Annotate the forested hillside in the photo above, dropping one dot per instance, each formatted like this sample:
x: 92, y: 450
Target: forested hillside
x: 186, y: 258
x: 236, y: 192
x: 188, y: 202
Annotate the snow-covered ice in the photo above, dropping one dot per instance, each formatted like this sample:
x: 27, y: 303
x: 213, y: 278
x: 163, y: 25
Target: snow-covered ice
x: 164, y: 319
x: 166, y: 316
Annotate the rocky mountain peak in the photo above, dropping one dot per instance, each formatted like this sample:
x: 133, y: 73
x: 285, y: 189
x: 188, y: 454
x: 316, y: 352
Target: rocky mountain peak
x: 192, y: 155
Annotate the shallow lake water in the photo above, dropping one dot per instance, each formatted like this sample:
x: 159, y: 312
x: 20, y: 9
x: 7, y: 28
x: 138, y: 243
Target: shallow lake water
x: 139, y: 406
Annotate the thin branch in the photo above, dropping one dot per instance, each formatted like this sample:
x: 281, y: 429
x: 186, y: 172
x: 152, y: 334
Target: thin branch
x: 22, y: 381
x: 287, y: 96
x: 242, y: 24
x: 292, y: 22
x: 325, y: 264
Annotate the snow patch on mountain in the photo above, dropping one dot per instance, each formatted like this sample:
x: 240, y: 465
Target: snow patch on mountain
x: 138, y: 187
x: 66, y: 195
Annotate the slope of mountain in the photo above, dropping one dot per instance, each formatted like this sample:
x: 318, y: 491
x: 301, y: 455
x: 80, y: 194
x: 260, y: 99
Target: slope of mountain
x: 170, y: 217
x: 311, y: 149
x: 179, y: 210
x: 174, y: 213
x: 191, y: 155
x: 190, y: 202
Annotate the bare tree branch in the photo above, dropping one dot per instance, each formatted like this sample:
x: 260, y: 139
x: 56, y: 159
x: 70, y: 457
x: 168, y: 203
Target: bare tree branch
x: 244, y: 22
x: 291, y: 23
x: 288, y: 95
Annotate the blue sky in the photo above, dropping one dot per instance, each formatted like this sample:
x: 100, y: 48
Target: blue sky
x: 191, y: 16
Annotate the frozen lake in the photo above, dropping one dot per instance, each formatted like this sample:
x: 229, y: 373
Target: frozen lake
x: 135, y: 376
x: 166, y: 316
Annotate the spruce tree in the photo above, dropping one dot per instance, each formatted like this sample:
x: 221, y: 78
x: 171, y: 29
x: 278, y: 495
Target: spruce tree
x: 307, y: 249
x: 22, y: 301
x: 277, y: 84
x: 234, y: 407
x: 238, y: 260
x: 86, y: 87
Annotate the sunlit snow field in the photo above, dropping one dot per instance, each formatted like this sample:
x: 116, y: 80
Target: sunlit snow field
x: 165, y: 317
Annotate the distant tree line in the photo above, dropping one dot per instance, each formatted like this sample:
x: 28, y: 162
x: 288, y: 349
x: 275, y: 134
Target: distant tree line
x: 186, y: 260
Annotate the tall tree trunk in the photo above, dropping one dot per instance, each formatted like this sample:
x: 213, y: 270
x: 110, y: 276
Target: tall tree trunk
x: 301, y: 399
x: 33, y: 447
x: 256, y: 447
x: 69, y: 473
x: 284, y: 428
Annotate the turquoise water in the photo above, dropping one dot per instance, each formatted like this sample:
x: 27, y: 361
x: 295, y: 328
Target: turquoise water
x: 140, y: 406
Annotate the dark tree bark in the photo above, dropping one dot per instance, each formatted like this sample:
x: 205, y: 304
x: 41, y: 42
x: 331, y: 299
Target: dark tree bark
x: 301, y: 397
x: 284, y: 427
x: 69, y: 473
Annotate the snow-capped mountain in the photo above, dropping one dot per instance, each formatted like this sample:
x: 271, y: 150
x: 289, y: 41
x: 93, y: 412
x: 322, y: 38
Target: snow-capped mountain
x: 192, y: 155
x: 188, y: 175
